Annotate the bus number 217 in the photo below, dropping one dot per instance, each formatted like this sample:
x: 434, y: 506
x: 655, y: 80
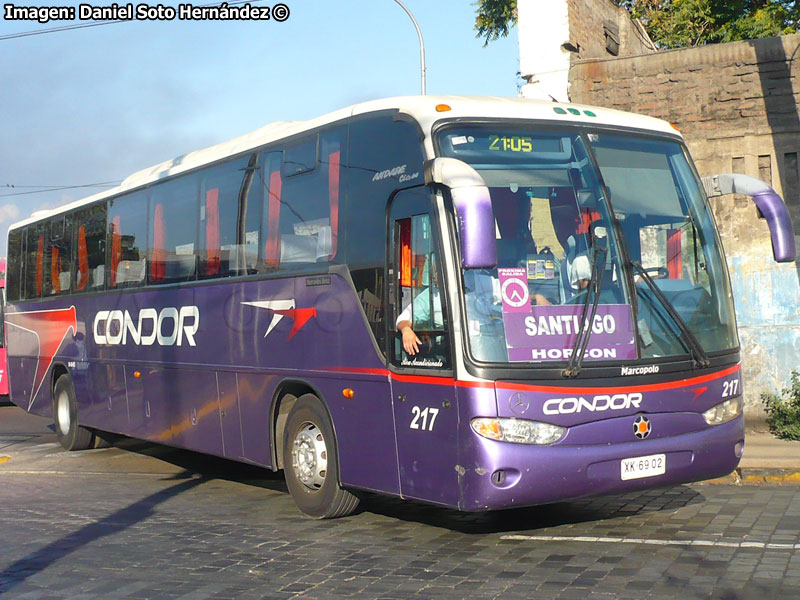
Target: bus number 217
x: 730, y: 388
x: 423, y: 415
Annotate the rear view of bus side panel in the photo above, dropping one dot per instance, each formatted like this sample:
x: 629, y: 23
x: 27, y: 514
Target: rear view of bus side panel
x: 21, y: 365
x: 35, y: 336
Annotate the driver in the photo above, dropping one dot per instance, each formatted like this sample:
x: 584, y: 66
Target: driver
x: 420, y: 311
x: 571, y: 228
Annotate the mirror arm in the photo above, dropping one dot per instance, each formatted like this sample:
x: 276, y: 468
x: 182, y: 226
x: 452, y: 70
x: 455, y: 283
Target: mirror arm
x: 769, y: 204
x: 473, y: 207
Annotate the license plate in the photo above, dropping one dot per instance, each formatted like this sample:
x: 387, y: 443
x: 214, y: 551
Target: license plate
x: 643, y: 466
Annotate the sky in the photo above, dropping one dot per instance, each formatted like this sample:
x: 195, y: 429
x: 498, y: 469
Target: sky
x: 96, y: 104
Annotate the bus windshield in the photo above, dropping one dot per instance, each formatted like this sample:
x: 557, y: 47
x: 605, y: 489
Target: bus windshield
x: 559, y: 196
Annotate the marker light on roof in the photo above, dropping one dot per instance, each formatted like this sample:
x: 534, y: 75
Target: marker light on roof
x: 443, y: 107
x: 675, y: 127
x: 589, y: 113
x: 574, y: 111
x: 559, y: 110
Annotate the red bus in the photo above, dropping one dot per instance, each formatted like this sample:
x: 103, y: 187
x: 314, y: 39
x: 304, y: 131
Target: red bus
x: 3, y: 376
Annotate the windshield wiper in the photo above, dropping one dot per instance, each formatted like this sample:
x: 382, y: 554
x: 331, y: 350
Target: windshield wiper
x: 595, y: 284
x: 695, y: 348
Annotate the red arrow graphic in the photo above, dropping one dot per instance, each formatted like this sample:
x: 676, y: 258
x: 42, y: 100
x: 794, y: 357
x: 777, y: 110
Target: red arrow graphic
x: 50, y: 328
x: 300, y: 316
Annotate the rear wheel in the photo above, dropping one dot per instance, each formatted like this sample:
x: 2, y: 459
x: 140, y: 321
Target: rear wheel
x: 311, y: 462
x: 65, y: 415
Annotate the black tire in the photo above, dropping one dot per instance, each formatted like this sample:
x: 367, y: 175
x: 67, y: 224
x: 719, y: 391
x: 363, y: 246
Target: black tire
x: 316, y: 492
x: 65, y: 416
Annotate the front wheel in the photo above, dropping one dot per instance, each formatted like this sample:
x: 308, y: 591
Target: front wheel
x: 65, y: 415
x: 311, y: 462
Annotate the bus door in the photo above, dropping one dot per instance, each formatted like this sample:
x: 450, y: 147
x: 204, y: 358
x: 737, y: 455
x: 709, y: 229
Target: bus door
x: 423, y: 396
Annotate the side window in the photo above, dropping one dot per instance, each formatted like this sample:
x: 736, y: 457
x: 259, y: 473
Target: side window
x: 420, y: 318
x: 16, y: 260
x: 251, y: 201
x: 301, y: 201
x: 127, y: 240
x: 173, y: 242
x: 220, y: 190
x: 34, y: 261
x: 384, y: 154
x: 60, y: 259
x: 271, y: 181
x: 89, y: 233
x: 300, y: 157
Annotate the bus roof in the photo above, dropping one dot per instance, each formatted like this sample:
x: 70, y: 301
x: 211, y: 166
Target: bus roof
x: 421, y: 108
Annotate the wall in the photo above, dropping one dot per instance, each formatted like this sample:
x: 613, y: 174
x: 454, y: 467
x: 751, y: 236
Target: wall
x: 587, y: 36
x: 737, y: 106
x: 543, y: 61
x: 552, y: 34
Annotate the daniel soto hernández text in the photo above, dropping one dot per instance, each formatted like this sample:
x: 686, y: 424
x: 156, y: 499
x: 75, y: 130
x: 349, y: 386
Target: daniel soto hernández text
x: 146, y: 12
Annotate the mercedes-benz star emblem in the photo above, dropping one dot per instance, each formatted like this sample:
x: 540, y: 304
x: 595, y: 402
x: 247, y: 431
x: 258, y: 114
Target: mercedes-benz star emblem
x: 518, y: 403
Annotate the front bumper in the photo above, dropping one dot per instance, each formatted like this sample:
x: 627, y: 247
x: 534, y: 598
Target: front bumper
x: 503, y: 475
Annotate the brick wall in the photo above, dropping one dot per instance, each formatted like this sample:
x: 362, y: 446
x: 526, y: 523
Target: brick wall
x: 586, y: 19
x: 735, y: 103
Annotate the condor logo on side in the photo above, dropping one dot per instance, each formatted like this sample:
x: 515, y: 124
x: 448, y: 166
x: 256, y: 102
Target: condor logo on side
x: 169, y: 327
x: 567, y: 406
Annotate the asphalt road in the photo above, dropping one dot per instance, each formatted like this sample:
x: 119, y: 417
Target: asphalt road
x: 144, y: 521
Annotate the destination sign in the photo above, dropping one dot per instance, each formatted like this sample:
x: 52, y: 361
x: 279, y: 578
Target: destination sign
x: 476, y: 143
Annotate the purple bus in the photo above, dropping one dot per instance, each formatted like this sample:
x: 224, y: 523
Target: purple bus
x: 480, y: 303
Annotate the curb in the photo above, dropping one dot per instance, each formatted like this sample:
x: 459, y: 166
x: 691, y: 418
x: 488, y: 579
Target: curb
x: 752, y: 476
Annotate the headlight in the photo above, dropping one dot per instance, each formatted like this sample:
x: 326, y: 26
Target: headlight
x: 518, y: 431
x: 722, y: 413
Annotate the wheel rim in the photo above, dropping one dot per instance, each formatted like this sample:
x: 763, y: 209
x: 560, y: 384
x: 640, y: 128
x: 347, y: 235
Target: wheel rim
x: 62, y: 414
x: 310, y: 456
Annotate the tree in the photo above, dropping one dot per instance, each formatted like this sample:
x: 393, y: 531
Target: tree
x: 495, y: 18
x: 673, y: 23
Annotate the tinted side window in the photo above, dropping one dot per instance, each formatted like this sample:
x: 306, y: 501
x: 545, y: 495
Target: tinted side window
x: 174, y: 214
x: 34, y: 261
x: 127, y: 240
x: 220, y: 190
x: 90, y: 232
x: 16, y: 260
x: 384, y: 154
x: 60, y: 256
x: 270, y: 180
x: 300, y: 157
x: 248, y: 225
x: 301, y: 215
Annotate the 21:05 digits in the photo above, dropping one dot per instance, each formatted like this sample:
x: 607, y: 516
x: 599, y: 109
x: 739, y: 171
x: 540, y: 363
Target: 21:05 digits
x: 511, y: 143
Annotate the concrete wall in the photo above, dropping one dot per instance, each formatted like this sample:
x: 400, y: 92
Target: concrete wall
x: 543, y: 60
x: 737, y: 106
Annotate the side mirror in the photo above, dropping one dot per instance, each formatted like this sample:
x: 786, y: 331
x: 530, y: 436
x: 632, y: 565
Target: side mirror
x: 473, y: 210
x: 770, y: 207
